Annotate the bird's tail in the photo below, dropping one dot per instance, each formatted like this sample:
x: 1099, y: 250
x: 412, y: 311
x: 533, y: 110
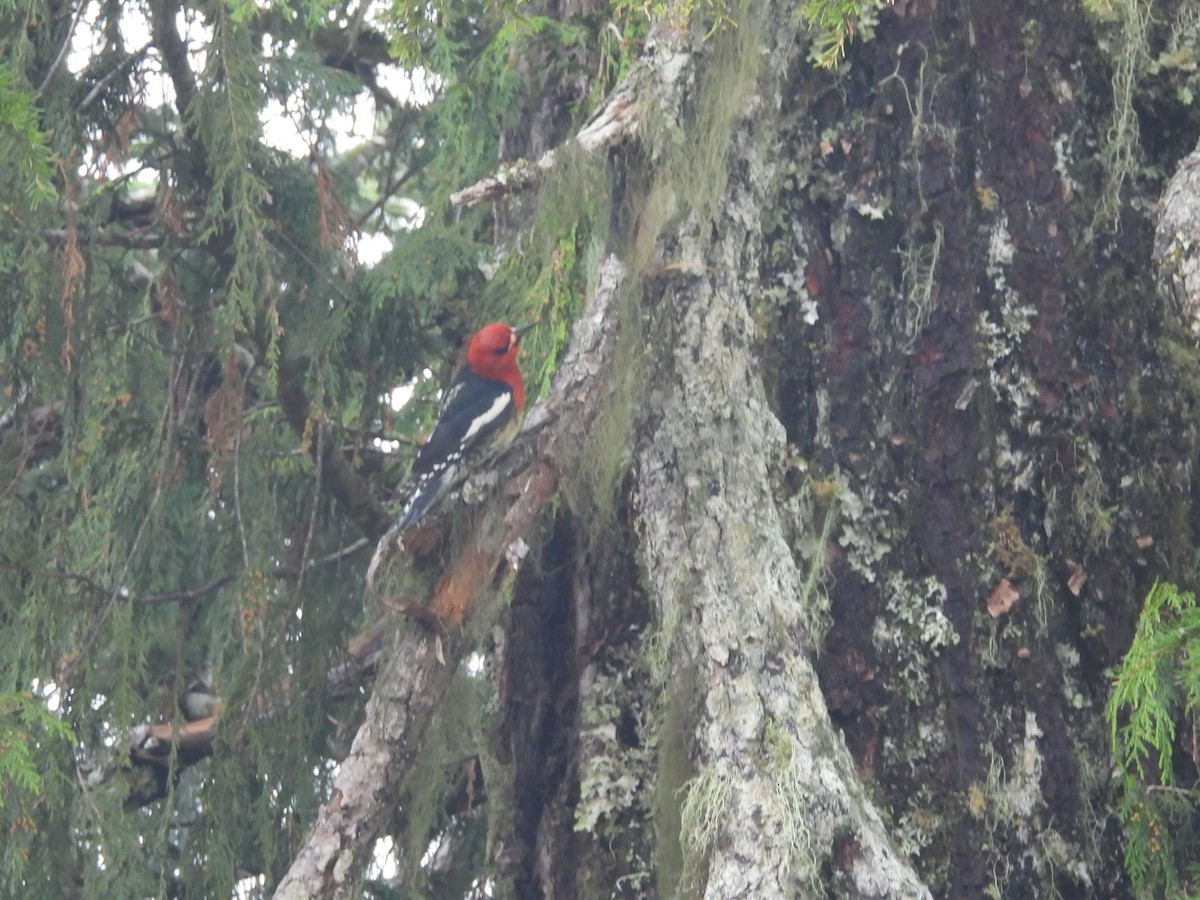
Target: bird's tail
x: 422, y: 499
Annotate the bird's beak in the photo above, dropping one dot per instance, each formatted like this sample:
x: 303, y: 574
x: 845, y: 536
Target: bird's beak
x: 519, y: 333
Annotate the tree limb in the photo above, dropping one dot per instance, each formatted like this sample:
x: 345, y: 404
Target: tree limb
x: 137, y: 600
x: 112, y: 237
x: 148, y: 757
x: 174, y: 52
x: 413, y: 680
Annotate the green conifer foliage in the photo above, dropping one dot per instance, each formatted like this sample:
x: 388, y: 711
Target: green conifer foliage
x: 194, y: 357
x: 1156, y: 693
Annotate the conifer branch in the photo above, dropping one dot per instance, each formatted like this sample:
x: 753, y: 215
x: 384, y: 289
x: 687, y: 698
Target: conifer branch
x: 121, y: 67
x: 137, y: 600
x: 40, y: 438
x: 350, y: 549
x: 156, y: 750
x: 64, y: 48
x: 110, y: 237
x: 183, y: 596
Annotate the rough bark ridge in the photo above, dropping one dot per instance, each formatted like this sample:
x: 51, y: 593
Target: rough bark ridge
x: 995, y: 389
x: 776, y: 786
x: 775, y: 789
x: 986, y: 373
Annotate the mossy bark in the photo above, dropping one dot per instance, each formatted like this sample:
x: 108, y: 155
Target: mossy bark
x: 898, y: 288
x: 900, y: 295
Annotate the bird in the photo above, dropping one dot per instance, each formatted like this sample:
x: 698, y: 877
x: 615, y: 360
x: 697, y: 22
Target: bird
x: 479, y: 417
x: 199, y: 701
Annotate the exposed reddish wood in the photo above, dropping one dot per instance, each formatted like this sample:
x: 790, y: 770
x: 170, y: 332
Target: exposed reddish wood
x: 473, y: 570
x: 462, y: 584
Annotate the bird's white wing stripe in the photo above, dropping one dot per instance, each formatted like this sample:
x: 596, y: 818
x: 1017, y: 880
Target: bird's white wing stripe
x: 488, y: 416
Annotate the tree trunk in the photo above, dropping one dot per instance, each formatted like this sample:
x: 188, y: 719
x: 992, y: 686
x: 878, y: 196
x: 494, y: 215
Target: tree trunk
x: 874, y: 435
x: 894, y: 294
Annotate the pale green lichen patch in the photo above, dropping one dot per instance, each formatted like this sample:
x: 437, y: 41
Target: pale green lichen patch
x: 706, y: 797
x: 1017, y: 793
x: 1068, y: 658
x: 913, y: 631
x: 787, y: 806
x: 811, y: 515
x: 1002, y: 330
x: 864, y: 533
x: 612, y: 772
x: 1012, y: 804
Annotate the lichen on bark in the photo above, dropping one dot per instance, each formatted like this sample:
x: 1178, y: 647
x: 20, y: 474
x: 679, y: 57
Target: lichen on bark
x: 774, y: 786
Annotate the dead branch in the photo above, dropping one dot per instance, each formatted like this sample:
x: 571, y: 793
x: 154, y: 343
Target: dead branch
x: 153, y: 753
x: 616, y: 121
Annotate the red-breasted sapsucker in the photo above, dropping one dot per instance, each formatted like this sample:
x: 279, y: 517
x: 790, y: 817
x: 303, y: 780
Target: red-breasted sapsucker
x: 480, y: 415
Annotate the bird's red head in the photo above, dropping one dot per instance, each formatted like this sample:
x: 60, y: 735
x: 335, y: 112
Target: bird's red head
x: 492, y: 353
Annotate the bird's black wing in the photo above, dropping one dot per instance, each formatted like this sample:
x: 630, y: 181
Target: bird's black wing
x: 474, y: 408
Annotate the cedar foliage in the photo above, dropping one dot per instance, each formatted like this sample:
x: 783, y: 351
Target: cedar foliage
x: 1151, y: 713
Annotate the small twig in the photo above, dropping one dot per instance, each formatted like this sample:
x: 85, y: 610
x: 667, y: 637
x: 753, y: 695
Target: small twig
x: 108, y: 237
x: 87, y: 795
x: 183, y: 596
x: 318, y: 271
x: 30, y: 446
x: 319, y: 460
x: 1170, y: 789
x: 119, y: 592
x: 135, y: 58
x: 86, y: 580
x: 335, y: 556
x: 237, y: 491
x: 145, y: 600
x: 63, y: 50
x: 384, y: 196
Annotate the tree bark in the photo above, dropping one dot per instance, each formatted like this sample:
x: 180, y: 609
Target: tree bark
x: 908, y: 295
x: 890, y: 289
x: 775, y: 788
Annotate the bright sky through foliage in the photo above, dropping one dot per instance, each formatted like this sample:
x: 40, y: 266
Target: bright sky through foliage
x: 282, y: 129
